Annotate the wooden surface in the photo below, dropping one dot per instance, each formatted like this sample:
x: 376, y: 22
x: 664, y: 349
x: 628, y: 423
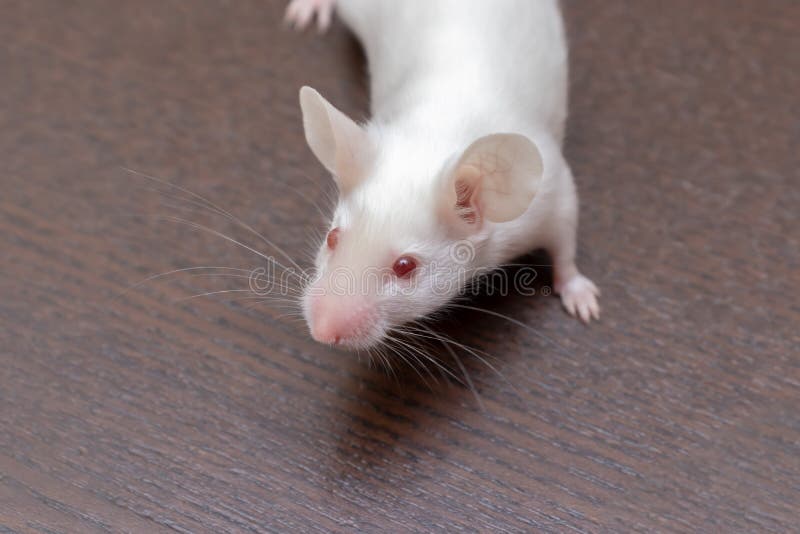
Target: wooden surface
x: 679, y: 411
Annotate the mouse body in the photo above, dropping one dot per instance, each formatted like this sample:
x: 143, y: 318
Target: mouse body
x: 458, y: 171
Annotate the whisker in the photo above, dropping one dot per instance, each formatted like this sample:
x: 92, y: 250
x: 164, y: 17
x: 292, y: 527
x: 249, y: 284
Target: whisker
x: 421, y: 349
x: 434, y: 361
x: 220, y: 211
x: 209, y: 293
x: 264, y: 291
x: 471, y: 350
x: 173, y: 271
x: 411, y: 364
x: 513, y: 321
x: 281, y: 303
x: 461, y: 365
x: 388, y: 362
x: 271, y: 298
x: 302, y: 197
x: 198, y: 226
x: 287, y: 317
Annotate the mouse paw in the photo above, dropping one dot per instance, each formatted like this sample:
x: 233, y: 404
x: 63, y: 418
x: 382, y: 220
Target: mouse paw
x: 579, y: 297
x: 299, y: 13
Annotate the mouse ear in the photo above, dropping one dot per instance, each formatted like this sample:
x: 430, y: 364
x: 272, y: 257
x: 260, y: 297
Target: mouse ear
x: 340, y: 144
x: 495, y: 179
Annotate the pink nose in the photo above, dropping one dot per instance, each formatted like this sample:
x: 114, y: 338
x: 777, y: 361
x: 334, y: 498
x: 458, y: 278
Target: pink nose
x: 339, y: 320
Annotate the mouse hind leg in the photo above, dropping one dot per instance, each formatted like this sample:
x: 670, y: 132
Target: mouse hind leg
x: 300, y: 13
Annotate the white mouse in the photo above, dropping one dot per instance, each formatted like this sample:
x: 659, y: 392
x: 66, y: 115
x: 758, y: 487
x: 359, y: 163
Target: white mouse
x: 458, y: 171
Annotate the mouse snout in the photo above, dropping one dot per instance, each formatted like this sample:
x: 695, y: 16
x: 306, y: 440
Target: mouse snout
x: 342, y: 320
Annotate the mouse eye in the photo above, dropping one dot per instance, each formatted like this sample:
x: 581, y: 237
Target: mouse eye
x: 404, y: 266
x: 333, y: 238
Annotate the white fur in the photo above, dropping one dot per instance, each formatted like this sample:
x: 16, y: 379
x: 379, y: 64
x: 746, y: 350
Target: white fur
x: 445, y: 73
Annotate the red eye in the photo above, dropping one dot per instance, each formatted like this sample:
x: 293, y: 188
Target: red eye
x: 333, y: 238
x: 404, y: 266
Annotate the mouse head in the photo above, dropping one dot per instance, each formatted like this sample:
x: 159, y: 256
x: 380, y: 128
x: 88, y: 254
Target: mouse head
x: 412, y: 223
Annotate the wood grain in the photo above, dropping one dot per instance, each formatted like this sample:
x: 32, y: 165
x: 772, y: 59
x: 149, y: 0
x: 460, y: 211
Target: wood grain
x: 142, y: 411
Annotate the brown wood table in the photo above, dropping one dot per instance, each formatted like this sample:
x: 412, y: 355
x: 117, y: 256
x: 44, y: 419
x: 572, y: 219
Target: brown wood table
x: 144, y: 410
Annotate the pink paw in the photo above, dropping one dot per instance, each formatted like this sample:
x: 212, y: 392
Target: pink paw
x: 299, y: 13
x: 579, y: 296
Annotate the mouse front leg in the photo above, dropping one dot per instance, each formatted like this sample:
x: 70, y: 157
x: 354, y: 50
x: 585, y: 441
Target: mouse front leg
x: 300, y: 13
x: 578, y: 293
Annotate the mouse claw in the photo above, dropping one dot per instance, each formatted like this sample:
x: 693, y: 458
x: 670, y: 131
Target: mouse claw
x: 569, y: 305
x: 324, y: 16
x: 579, y: 297
x: 300, y: 13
